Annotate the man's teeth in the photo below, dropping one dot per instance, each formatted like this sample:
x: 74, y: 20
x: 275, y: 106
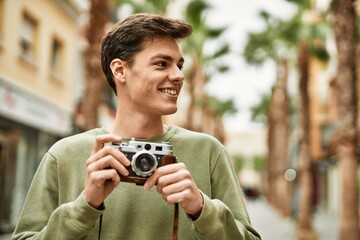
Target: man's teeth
x: 169, y: 91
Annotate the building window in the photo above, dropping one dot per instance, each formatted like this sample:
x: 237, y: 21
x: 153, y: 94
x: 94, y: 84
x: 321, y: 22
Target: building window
x: 56, y: 57
x: 27, y: 39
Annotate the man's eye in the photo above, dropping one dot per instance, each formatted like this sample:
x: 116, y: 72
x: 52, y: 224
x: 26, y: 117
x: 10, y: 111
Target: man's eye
x: 180, y: 66
x: 161, y: 64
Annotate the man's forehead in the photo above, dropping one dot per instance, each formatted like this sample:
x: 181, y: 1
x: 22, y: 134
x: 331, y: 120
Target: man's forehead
x: 166, y: 48
x: 167, y: 57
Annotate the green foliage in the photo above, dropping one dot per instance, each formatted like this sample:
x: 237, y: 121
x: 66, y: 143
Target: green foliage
x: 280, y: 38
x: 152, y: 6
x: 223, y: 50
x: 357, y: 21
x: 221, y: 107
x: 304, y: 4
x: 259, y: 112
x: 275, y: 42
x: 320, y: 53
x: 194, y: 12
x: 239, y: 162
x: 259, y: 162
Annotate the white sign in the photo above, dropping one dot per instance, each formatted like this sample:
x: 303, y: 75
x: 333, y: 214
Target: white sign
x: 30, y: 110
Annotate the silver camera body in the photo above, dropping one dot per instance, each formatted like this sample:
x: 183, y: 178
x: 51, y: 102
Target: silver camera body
x: 145, y: 158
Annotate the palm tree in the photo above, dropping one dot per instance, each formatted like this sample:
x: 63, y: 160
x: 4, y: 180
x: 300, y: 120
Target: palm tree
x: 99, y: 15
x: 305, y: 226
x: 274, y: 43
x: 197, y: 76
x: 310, y: 42
x: 346, y: 135
x: 260, y: 111
x: 216, y: 109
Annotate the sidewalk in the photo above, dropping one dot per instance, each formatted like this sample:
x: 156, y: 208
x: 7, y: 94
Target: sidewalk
x: 272, y: 226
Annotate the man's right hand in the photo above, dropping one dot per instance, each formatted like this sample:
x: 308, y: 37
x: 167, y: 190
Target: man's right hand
x: 103, y: 168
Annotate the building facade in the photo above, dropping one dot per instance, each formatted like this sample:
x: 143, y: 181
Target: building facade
x: 38, y: 72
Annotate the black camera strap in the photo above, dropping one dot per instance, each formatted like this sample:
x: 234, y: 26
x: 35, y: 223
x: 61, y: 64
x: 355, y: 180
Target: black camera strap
x: 100, y: 224
x: 176, y: 222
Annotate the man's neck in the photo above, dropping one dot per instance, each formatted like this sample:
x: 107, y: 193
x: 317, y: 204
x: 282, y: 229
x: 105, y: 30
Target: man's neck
x: 137, y: 128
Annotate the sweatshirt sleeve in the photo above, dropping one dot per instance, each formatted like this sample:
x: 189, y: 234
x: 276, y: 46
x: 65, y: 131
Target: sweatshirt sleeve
x: 224, y: 215
x: 43, y: 218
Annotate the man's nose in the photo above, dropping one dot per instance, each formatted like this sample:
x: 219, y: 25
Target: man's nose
x: 176, y: 74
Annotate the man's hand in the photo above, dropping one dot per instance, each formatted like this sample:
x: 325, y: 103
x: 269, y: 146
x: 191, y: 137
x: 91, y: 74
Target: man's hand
x: 102, y: 170
x: 176, y: 185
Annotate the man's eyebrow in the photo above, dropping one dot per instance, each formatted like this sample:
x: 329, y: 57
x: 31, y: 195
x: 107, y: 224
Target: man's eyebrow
x: 167, y: 57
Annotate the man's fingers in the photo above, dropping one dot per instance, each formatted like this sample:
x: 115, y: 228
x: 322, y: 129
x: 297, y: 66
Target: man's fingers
x: 102, y: 139
x: 108, y: 162
x: 105, y: 175
x: 161, y: 171
x: 108, y: 150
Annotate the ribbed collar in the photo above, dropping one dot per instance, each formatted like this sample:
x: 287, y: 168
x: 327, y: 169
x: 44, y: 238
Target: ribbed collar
x: 161, y: 138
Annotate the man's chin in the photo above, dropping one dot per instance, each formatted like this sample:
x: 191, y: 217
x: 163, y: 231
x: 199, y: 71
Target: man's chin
x: 170, y: 111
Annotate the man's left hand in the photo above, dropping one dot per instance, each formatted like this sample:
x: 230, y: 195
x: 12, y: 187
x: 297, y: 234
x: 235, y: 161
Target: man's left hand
x: 176, y: 185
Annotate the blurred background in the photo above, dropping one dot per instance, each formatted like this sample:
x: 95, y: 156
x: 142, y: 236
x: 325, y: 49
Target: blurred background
x: 275, y: 81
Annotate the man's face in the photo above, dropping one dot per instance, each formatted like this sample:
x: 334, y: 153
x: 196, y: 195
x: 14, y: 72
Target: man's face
x: 154, y: 80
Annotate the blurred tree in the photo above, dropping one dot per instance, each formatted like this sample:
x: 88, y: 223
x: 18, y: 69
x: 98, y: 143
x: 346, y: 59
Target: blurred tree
x: 260, y: 111
x: 239, y: 162
x: 311, y: 43
x: 306, y: 190
x: 274, y: 43
x: 346, y: 140
x: 196, y: 75
x: 280, y: 41
x: 150, y: 6
x: 216, y: 109
x: 259, y: 163
x: 99, y: 16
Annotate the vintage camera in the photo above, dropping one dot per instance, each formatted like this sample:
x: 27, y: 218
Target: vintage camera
x: 145, y: 158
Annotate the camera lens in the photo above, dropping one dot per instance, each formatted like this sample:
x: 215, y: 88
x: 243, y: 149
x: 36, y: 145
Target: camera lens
x: 144, y: 164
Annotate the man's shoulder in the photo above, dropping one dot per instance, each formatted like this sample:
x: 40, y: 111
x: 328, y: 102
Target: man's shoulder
x: 79, y: 141
x: 192, y: 136
x: 89, y: 135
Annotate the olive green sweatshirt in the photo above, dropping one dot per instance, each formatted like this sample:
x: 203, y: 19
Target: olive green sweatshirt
x: 55, y: 207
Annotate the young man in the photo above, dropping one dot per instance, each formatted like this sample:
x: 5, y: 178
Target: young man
x: 142, y: 61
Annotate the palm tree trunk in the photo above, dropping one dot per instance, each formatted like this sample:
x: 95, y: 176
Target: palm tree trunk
x: 304, y: 226
x: 278, y: 193
x: 94, y: 77
x: 346, y: 135
x: 191, y: 88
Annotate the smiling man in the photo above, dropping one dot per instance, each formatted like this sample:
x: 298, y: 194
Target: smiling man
x: 82, y: 189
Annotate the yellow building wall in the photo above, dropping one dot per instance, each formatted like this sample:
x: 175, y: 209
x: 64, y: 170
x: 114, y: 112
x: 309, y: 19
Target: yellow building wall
x: 52, y: 21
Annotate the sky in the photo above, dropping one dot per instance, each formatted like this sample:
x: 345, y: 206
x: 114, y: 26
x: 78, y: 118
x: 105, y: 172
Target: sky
x: 244, y: 83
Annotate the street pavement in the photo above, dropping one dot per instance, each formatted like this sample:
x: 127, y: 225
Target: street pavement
x: 272, y: 226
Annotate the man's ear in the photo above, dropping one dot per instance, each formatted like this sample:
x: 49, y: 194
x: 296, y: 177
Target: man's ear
x: 117, y: 67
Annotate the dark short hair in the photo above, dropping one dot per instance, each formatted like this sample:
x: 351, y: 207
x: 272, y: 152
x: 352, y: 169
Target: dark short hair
x: 127, y: 37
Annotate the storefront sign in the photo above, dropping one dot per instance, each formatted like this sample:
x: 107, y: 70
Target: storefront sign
x: 27, y: 108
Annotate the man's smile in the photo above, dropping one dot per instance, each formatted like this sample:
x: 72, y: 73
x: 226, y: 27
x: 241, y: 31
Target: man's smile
x: 170, y: 91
